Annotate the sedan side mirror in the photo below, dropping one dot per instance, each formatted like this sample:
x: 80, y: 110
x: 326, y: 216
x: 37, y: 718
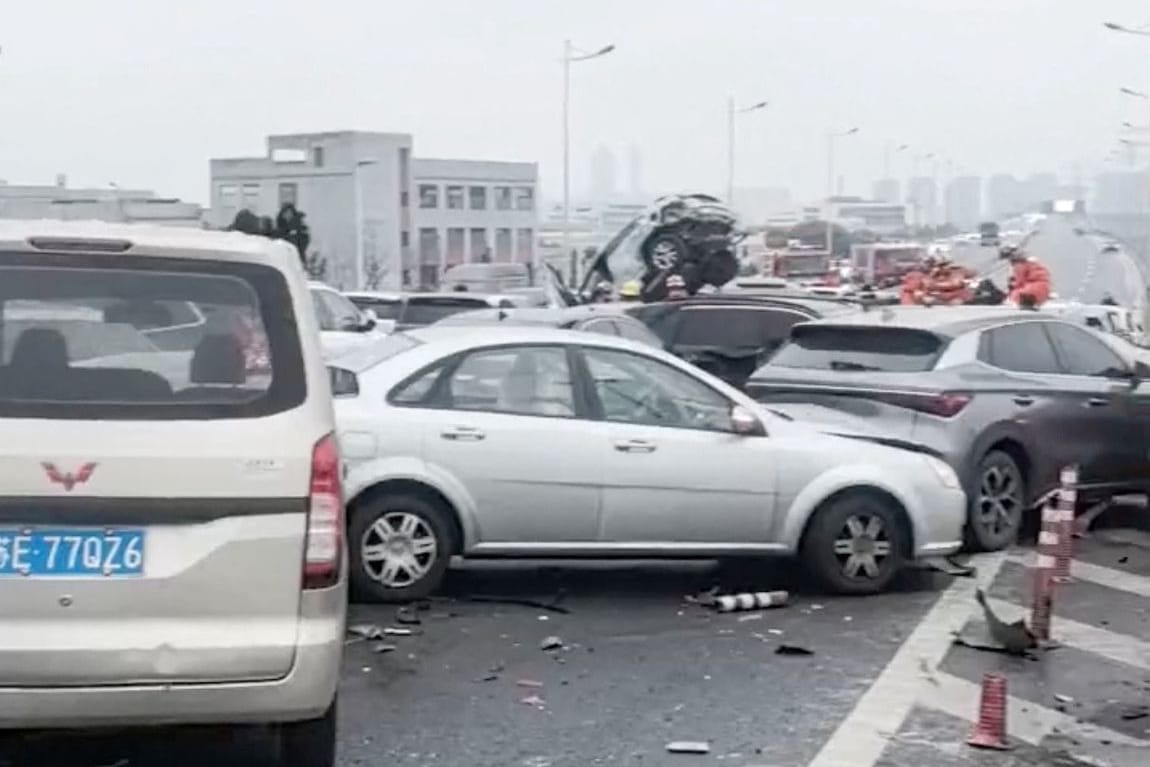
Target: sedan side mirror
x: 745, y: 423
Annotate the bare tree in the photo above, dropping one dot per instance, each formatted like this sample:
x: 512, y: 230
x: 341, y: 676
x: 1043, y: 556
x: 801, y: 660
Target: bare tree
x: 316, y: 266
x: 373, y: 274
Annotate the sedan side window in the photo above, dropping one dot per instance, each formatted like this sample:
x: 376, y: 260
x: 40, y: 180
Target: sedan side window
x: 1022, y: 348
x: 1082, y: 354
x: 323, y: 313
x: 345, y: 314
x: 638, y: 390
x: 524, y: 380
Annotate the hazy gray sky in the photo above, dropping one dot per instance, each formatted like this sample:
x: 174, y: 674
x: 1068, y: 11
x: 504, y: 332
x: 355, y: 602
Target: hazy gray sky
x: 143, y: 92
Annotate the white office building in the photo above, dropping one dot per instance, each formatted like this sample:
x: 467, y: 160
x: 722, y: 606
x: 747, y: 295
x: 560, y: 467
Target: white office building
x: 884, y: 218
x: 473, y: 210
x: 112, y: 204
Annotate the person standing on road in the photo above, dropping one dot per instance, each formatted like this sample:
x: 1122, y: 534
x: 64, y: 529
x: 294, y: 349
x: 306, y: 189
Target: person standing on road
x: 914, y: 283
x: 1028, y: 277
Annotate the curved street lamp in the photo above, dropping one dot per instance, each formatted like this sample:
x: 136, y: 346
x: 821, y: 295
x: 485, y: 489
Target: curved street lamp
x: 731, y: 113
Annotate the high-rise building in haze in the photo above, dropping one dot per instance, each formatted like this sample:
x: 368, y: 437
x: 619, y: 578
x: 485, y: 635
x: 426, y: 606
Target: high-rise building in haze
x: 886, y: 190
x: 1003, y: 197
x: 964, y: 202
x: 635, y: 186
x: 1037, y: 189
x: 922, y: 201
x: 604, y: 175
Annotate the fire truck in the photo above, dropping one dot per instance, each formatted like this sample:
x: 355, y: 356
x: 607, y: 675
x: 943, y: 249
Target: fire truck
x: 884, y: 264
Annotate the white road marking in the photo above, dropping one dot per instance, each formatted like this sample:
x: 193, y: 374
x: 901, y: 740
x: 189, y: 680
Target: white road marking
x: 861, y: 738
x: 1102, y: 576
x: 1082, y: 636
x: 1025, y: 720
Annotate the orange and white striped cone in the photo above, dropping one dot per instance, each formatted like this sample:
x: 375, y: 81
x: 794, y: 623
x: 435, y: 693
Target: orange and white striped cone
x: 990, y: 730
x: 1067, y: 503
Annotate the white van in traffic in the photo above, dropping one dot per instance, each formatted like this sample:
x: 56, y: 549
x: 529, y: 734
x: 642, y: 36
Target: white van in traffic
x: 171, y: 524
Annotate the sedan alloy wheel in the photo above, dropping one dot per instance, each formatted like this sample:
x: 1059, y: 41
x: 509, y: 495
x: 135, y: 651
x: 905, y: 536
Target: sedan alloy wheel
x: 862, y: 546
x: 398, y: 549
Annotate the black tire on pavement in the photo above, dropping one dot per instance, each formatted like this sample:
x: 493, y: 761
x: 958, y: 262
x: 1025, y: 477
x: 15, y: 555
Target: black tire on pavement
x: 433, y: 515
x: 871, y: 525
x: 997, y: 504
x: 309, y: 743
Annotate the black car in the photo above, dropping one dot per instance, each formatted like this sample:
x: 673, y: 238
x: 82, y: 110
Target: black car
x: 988, y: 235
x: 1007, y: 397
x: 730, y: 334
x: 608, y: 319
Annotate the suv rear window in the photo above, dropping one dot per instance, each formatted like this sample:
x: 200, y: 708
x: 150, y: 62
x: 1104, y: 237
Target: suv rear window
x: 424, y: 311
x: 129, y: 337
x: 849, y: 348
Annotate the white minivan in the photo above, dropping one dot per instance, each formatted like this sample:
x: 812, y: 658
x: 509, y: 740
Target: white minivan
x: 171, y: 523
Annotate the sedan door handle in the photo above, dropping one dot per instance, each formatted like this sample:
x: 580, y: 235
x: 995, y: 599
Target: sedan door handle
x: 1097, y: 402
x: 1024, y: 400
x: 635, y: 446
x: 462, y: 434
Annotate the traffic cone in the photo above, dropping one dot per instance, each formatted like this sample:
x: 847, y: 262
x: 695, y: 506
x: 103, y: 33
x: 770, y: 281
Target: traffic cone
x: 1067, y: 502
x: 990, y: 730
x: 1049, y: 546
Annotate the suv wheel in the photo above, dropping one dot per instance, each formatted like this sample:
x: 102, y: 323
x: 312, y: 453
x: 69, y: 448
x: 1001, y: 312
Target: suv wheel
x: 307, y: 744
x: 856, y: 543
x: 997, y: 505
x: 665, y: 252
x: 400, y: 547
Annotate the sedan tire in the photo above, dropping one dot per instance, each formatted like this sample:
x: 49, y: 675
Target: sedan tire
x: 400, y: 547
x: 856, y: 543
x: 997, y: 503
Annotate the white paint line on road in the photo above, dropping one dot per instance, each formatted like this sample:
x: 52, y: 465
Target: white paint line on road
x: 1027, y: 721
x: 1102, y: 576
x: 861, y: 738
x: 1082, y: 636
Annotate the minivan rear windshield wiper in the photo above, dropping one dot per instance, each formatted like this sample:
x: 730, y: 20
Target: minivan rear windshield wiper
x: 848, y: 365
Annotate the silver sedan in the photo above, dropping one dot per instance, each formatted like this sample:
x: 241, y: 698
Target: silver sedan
x: 532, y: 442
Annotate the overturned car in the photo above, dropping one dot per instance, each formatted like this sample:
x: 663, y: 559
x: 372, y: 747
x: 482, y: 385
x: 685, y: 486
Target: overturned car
x: 691, y: 235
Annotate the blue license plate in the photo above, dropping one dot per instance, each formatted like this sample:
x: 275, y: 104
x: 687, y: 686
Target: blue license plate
x: 71, y: 552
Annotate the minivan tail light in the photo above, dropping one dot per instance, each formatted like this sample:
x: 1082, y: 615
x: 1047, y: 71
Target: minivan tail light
x: 323, y: 551
x: 941, y: 404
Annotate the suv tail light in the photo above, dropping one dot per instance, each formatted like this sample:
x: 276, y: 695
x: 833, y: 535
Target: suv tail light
x: 323, y: 550
x: 941, y: 404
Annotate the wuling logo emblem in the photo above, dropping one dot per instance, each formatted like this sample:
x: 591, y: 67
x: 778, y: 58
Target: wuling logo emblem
x: 67, y: 478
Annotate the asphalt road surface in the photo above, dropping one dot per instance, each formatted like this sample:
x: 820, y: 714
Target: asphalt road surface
x: 1079, y: 271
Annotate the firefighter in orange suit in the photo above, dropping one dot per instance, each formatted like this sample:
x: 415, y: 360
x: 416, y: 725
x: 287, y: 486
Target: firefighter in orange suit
x: 1028, y: 277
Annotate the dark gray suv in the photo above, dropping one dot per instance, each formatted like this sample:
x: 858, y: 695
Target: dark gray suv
x: 1007, y: 397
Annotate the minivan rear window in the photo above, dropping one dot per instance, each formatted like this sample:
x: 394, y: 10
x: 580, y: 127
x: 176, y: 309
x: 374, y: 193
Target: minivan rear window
x: 130, y: 337
x: 860, y: 348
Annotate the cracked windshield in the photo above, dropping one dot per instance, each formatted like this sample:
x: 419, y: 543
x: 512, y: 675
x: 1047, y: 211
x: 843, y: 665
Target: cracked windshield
x: 560, y: 384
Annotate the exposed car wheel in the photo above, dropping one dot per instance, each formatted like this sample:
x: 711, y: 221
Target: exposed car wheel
x: 400, y: 546
x: 307, y: 744
x: 856, y: 543
x: 997, y: 503
x: 665, y: 252
x: 721, y: 268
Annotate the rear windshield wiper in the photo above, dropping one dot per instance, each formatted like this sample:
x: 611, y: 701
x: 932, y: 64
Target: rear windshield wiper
x: 848, y: 365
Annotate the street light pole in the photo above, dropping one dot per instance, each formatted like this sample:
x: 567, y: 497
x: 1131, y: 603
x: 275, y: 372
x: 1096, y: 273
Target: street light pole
x: 731, y: 112
x: 570, y: 55
x: 831, y: 136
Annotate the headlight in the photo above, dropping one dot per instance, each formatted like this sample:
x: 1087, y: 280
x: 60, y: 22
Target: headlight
x: 942, y: 470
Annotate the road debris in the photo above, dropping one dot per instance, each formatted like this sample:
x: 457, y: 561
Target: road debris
x: 383, y: 647
x: 551, y: 643
x: 534, y: 700
x: 688, y: 747
x: 1133, y: 713
x: 788, y: 649
x: 366, y: 631
x: 751, y: 617
x: 405, y: 617
x: 531, y: 683
x: 750, y: 601
x: 705, y: 598
x: 552, y: 606
x: 394, y: 632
